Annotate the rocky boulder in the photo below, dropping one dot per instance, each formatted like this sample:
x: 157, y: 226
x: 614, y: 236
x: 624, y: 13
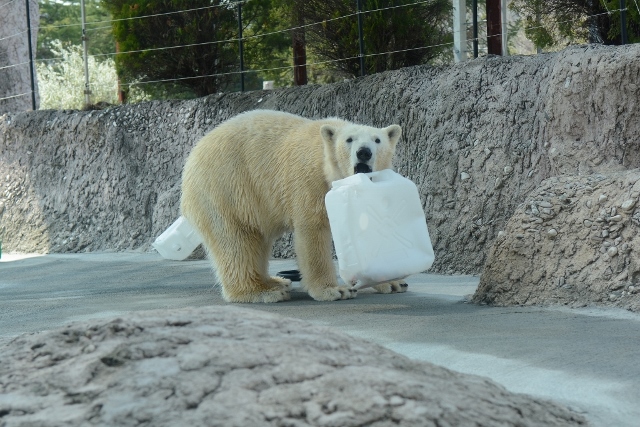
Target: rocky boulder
x: 574, y: 241
x: 236, y: 367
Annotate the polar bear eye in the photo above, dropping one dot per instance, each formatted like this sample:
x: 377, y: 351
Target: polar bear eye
x: 349, y: 140
x: 377, y: 140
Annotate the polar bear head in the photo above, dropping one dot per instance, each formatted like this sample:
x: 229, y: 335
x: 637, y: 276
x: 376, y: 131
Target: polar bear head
x: 352, y: 149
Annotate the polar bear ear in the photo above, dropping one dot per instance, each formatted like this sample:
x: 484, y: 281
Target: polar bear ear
x: 394, y: 132
x: 328, y: 133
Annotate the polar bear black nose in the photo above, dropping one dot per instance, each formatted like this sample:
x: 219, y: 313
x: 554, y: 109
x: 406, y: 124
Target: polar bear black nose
x: 363, y: 154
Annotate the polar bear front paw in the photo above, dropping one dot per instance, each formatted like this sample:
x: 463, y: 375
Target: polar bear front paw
x: 280, y: 282
x: 279, y: 292
x: 393, y: 287
x: 333, y: 293
x: 275, y: 295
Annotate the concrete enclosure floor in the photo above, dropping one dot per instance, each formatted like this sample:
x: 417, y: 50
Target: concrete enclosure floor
x: 583, y: 358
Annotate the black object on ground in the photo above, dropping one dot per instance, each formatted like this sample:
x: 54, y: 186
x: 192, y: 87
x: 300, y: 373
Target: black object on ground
x: 293, y: 275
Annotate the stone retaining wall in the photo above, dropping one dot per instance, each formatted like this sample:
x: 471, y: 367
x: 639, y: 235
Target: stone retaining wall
x: 478, y: 138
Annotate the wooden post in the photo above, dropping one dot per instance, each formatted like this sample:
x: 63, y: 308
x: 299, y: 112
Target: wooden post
x: 299, y: 49
x: 494, y: 27
x: 299, y: 61
x: 122, y: 95
x: 241, y: 47
x: 503, y: 17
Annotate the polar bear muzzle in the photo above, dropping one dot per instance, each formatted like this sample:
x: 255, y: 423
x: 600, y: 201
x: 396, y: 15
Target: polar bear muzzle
x: 361, y: 168
x: 363, y: 155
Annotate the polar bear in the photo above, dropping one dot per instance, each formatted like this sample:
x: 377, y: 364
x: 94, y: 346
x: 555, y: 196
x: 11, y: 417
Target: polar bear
x: 263, y: 173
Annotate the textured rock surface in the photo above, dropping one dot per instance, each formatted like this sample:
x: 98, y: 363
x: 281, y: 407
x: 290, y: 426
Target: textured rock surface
x: 592, y: 114
x: 478, y: 137
x: 14, y: 53
x: 575, y: 241
x: 235, y: 367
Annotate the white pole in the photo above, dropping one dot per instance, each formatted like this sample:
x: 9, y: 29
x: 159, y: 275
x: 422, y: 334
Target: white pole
x: 87, y: 90
x: 505, y: 43
x: 460, y: 30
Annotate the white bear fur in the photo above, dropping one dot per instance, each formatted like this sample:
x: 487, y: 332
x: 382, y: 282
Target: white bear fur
x: 263, y: 173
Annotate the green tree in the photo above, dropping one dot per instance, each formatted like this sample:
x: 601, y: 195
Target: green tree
x: 633, y: 21
x: 191, y: 43
x: 267, y: 42
x: 61, y: 21
x: 551, y: 23
x: 158, y: 42
x: 62, y: 83
x: 397, y: 33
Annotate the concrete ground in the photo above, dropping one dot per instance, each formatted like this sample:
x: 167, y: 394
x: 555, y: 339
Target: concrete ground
x: 586, y: 359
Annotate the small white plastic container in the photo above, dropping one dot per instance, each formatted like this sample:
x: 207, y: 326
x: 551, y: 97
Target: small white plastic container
x: 379, y: 229
x: 178, y: 241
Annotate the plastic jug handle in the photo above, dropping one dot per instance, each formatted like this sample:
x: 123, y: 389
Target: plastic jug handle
x: 365, y: 178
x: 350, y: 180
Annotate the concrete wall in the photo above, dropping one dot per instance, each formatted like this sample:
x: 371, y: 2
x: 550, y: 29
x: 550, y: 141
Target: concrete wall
x: 478, y: 137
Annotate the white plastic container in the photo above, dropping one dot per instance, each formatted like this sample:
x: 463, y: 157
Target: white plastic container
x: 178, y: 241
x: 379, y: 229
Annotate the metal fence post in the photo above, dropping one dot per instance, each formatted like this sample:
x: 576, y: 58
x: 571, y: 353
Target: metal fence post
x: 31, y: 71
x: 85, y: 55
x: 361, y: 39
x: 459, y: 30
x: 505, y: 28
x: 240, y: 45
x: 475, y: 27
x: 623, y: 21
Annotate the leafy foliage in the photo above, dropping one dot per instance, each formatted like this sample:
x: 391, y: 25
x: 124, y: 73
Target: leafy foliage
x: 414, y: 32
x: 550, y: 23
x: 61, y: 84
x: 149, y: 44
x: 267, y: 45
x: 633, y: 21
x: 61, y: 22
x: 206, y: 32
x: 406, y: 31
